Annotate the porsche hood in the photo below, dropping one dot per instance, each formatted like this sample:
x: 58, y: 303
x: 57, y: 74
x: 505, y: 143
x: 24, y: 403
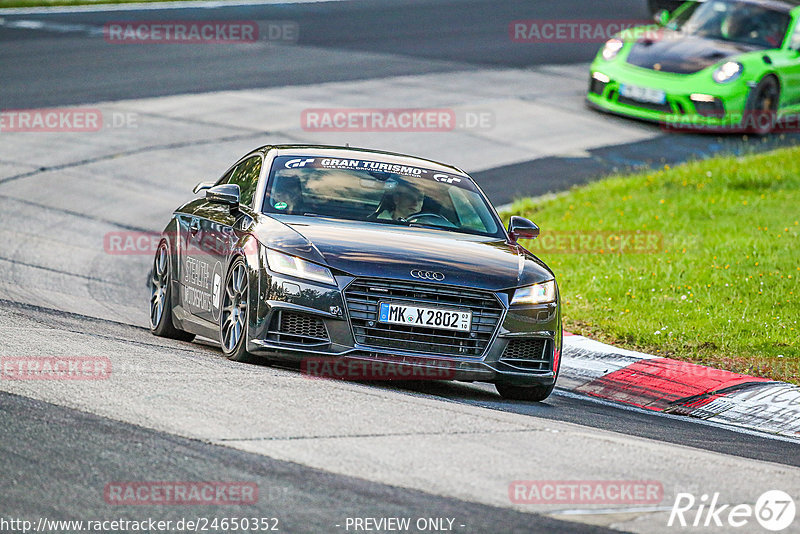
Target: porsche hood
x: 685, y: 55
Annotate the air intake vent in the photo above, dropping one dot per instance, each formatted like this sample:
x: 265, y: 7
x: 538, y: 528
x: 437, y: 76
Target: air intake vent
x: 530, y: 354
x: 297, y: 328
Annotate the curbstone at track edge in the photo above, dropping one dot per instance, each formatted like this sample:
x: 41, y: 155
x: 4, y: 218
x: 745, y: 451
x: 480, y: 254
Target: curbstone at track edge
x: 671, y: 386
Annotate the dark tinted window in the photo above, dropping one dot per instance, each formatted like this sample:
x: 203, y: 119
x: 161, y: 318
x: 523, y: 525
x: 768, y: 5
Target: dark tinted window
x: 379, y: 192
x: 245, y: 175
x: 741, y: 22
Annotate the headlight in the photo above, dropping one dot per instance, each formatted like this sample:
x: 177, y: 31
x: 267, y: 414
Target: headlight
x: 535, y: 294
x: 294, y: 266
x: 612, y: 48
x: 728, y: 72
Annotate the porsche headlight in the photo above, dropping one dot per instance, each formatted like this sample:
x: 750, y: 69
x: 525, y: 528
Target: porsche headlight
x: 727, y: 72
x: 294, y: 266
x: 535, y: 294
x: 612, y: 48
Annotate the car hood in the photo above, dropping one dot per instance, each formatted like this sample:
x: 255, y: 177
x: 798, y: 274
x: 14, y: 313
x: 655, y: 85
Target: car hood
x: 387, y: 251
x: 683, y: 55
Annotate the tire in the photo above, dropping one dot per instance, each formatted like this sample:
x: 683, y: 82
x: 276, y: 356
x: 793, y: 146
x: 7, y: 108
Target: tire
x: 762, y: 106
x: 524, y: 393
x: 161, y: 297
x: 234, y: 314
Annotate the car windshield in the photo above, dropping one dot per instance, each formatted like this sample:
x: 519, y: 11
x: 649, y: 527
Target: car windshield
x: 740, y: 22
x: 378, y: 192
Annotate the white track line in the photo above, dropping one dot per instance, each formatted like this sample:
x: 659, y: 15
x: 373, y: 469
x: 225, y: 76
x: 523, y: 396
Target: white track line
x: 686, y: 418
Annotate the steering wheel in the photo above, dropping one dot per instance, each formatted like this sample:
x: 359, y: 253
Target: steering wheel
x: 417, y: 216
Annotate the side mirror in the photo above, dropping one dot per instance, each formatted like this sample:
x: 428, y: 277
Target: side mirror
x: 522, y: 228
x: 202, y: 186
x: 225, y: 194
x: 661, y: 17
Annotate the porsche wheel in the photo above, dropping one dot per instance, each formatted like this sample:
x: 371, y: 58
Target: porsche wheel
x: 762, y: 106
x: 233, y: 319
x: 161, y: 298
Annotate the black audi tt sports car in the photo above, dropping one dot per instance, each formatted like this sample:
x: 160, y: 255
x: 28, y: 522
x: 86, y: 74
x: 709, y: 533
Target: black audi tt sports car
x: 351, y: 255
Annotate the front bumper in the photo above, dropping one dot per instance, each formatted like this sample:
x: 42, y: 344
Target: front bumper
x: 693, y: 101
x: 306, y: 323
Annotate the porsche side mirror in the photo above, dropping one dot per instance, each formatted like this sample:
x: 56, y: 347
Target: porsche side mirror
x: 661, y: 17
x: 202, y: 186
x: 522, y: 228
x: 225, y: 194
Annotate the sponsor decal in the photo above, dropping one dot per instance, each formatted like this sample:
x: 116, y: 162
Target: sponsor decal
x: 216, y: 294
x: 294, y: 163
x: 197, y: 289
x: 378, y: 170
x: 180, y: 493
x: 446, y: 179
x: 55, y: 368
x: 586, y: 492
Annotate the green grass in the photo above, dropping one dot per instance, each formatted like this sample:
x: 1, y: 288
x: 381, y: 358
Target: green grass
x: 722, y: 288
x: 48, y: 3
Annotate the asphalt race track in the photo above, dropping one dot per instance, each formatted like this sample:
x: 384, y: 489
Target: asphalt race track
x: 319, y: 451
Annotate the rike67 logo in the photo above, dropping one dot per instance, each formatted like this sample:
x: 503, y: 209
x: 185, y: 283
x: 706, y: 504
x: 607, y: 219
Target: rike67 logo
x: 774, y: 510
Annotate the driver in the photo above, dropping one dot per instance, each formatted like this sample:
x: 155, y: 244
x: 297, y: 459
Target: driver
x: 401, y: 202
x: 287, y: 195
x: 738, y: 25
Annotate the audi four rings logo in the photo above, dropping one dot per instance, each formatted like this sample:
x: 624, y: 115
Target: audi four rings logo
x: 427, y: 275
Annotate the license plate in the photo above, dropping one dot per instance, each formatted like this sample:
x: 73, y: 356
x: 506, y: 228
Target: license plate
x: 643, y: 94
x: 396, y: 313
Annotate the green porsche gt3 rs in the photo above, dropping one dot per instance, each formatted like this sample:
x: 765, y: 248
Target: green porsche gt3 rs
x: 714, y: 64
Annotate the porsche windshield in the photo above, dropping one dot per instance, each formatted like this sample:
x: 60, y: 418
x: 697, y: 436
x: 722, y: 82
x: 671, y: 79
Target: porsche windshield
x: 379, y: 192
x: 740, y: 22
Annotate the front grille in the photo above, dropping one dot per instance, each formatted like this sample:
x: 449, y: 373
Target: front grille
x: 530, y: 354
x: 363, y: 295
x: 293, y: 327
